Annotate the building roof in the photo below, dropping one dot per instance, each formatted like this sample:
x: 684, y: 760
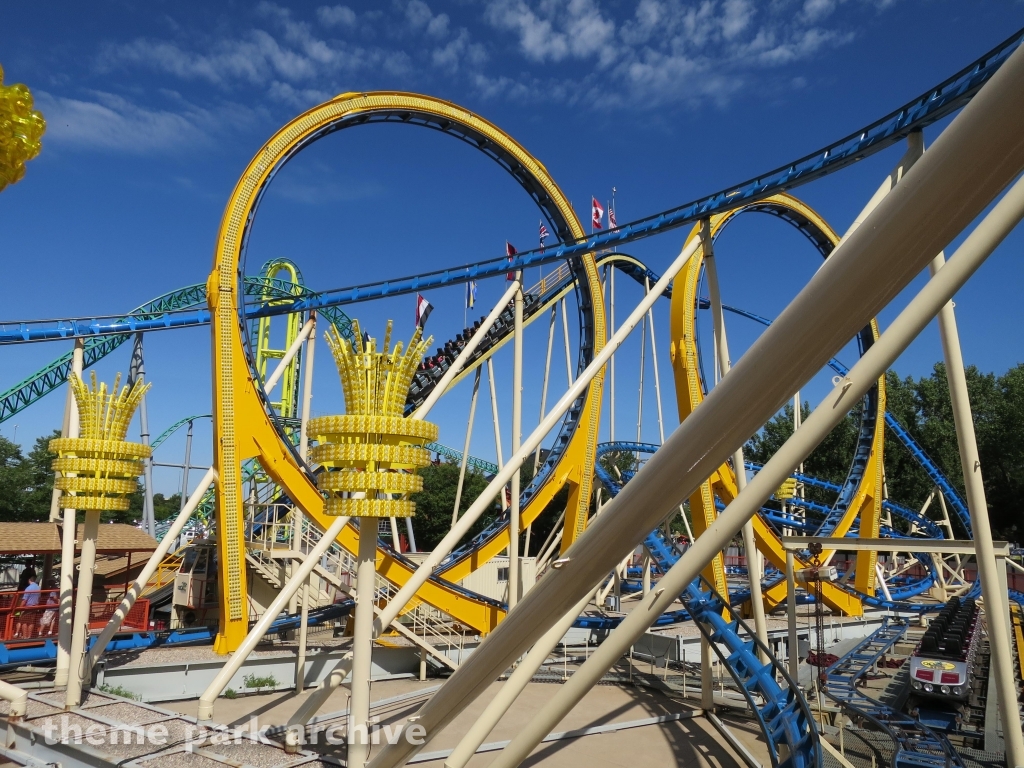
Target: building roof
x: 44, y: 539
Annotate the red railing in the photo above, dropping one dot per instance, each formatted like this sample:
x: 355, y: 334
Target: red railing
x: 11, y: 600
x: 40, y: 621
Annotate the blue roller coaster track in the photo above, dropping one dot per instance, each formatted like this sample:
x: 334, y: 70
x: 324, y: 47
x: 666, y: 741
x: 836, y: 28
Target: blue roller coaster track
x: 781, y: 713
x: 22, y: 395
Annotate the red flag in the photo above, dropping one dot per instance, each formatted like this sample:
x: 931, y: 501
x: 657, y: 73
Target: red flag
x: 510, y: 251
x: 597, y: 213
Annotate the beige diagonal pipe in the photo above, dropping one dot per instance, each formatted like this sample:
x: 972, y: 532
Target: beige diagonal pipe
x: 980, y: 152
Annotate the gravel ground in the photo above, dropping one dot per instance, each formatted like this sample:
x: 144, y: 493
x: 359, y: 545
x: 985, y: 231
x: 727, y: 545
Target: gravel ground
x: 35, y: 709
x: 181, y: 760
x: 253, y: 753
x: 123, y: 712
x: 88, y: 698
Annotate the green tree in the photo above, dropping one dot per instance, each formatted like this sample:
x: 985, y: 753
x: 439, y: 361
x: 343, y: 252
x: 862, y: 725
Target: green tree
x: 435, y: 502
x: 14, y: 481
x: 829, y: 461
x: 165, y: 507
x: 923, y: 407
x: 39, y: 465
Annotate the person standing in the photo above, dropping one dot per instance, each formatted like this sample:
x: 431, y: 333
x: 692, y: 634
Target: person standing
x: 29, y: 599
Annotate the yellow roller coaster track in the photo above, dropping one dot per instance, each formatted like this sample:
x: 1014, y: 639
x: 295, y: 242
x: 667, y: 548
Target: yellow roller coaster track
x: 867, y: 500
x: 242, y: 427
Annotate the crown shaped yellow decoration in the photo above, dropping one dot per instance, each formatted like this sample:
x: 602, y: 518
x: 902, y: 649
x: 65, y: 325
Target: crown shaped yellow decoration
x: 100, y: 467
x: 370, y: 445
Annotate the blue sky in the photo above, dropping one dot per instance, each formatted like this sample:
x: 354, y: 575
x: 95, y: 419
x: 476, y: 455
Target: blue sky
x: 154, y: 111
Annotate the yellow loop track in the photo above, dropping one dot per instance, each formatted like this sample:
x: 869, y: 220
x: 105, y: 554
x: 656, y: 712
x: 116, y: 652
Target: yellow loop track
x: 242, y: 428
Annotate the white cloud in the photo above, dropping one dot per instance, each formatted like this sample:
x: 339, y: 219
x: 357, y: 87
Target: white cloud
x: 336, y: 16
x: 459, y: 49
x: 669, y: 51
x: 111, y: 122
x: 538, y: 39
x: 420, y: 17
x: 252, y: 58
x: 581, y: 53
x: 816, y: 10
x: 300, y: 98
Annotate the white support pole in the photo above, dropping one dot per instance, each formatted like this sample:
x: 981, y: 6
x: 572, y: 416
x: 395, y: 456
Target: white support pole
x: 186, y: 468
x: 307, y: 403
x: 497, y: 426
x: 83, y: 603
x: 148, y: 570
x: 460, y: 361
x: 794, y: 643
x: 543, y: 552
x: 997, y: 608
x: 465, y: 446
x: 137, y: 372
x: 514, y: 686
x: 974, y: 159
x: 654, y: 359
x: 544, y: 387
x: 67, y: 542
x: 830, y: 412
x: 611, y: 366
x: 565, y: 340
x: 256, y: 634
x: 307, y: 390
x: 738, y: 465
x: 362, y: 645
x: 514, y: 585
x: 69, y: 407
x: 409, y: 532
x: 640, y: 393
x: 300, y: 658
x: 289, y: 355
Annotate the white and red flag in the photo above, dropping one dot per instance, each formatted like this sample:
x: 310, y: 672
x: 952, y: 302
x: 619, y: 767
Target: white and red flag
x: 510, y: 251
x: 543, y: 235
x: 423, y: 310
x: 612, y: 223
x: 597, y: 214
